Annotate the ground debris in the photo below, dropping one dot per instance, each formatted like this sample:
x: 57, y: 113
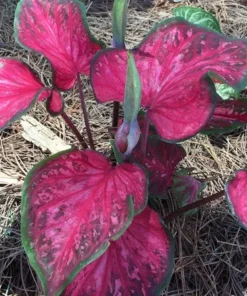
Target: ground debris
x: 41, y: 136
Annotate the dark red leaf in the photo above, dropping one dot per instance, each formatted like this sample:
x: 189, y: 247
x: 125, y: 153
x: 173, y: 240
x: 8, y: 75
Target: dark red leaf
x: 227, y: 116
x: 140, y: 263
x: 58, y: 30
x: 160, y: 161
x: 73, y: 203
x: 54, y: 103
x: 236, y: 193
x: 19, y: 90
x: 173, y: 62
x: 185, y: 190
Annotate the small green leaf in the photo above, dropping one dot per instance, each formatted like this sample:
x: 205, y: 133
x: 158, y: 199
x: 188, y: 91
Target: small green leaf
x: 225, y: 91
x: 132, y: 98
x: 198, y: 16
x: 119, y: 21
x: 185, y: 190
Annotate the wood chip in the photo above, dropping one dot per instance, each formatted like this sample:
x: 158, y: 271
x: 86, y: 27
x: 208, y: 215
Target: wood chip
x: 41, y: 136
x: 9, y: 180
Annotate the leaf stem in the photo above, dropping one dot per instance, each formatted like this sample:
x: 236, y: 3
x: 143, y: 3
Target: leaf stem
x: 85, y: 114
x: 74, y: 130
x: 144, y: 137
x: 115, y: 114
x: 193, y: 205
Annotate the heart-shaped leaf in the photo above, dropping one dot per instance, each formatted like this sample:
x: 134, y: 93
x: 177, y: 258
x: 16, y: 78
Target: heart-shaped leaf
x: 228, y: 115
x: 160, y: 161
x: 173, y: 62
x: 185, y: 190
x: 197, y: 16
x: 139, y: 263
x: 55, y: 103
x: 19, y: 90
x: 74, y: 203
x: 236, y: 193
x: 58, y: 30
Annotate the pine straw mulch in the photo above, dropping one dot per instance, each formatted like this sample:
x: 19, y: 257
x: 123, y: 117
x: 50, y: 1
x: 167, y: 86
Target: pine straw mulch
x: 211, y: 250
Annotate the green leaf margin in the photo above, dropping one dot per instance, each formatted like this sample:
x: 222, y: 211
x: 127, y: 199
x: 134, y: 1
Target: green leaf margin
x: 221, y: 131
x: 171, y: 261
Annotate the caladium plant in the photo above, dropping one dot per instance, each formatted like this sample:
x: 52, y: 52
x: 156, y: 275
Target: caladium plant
x: 85, y: 218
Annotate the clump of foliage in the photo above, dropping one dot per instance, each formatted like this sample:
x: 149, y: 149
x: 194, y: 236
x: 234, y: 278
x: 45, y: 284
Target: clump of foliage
x: 87, y: 226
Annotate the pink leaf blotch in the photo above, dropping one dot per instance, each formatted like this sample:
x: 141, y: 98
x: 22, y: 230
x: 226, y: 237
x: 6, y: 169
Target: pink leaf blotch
x: 55, y: 103
x: 236, y: 193
x: 160, y: 161
x: 19, y: 90
x: 227, y: 115
x: 139, y: 263
x: 173, y: 62
x: 73, y: 204
x: 58, y: 30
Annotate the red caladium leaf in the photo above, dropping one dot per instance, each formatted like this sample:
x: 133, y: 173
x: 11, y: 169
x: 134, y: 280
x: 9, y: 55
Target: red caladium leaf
x: 160, y: 161
x: 19, y: 90
x: 236, y: 193
x: 139, y: 263
x: 185, y: 190
x: 173, y: 62
x: 55, y: 103
x: 58, y: 30
x: 73, y: 203
x: 228, y: 115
